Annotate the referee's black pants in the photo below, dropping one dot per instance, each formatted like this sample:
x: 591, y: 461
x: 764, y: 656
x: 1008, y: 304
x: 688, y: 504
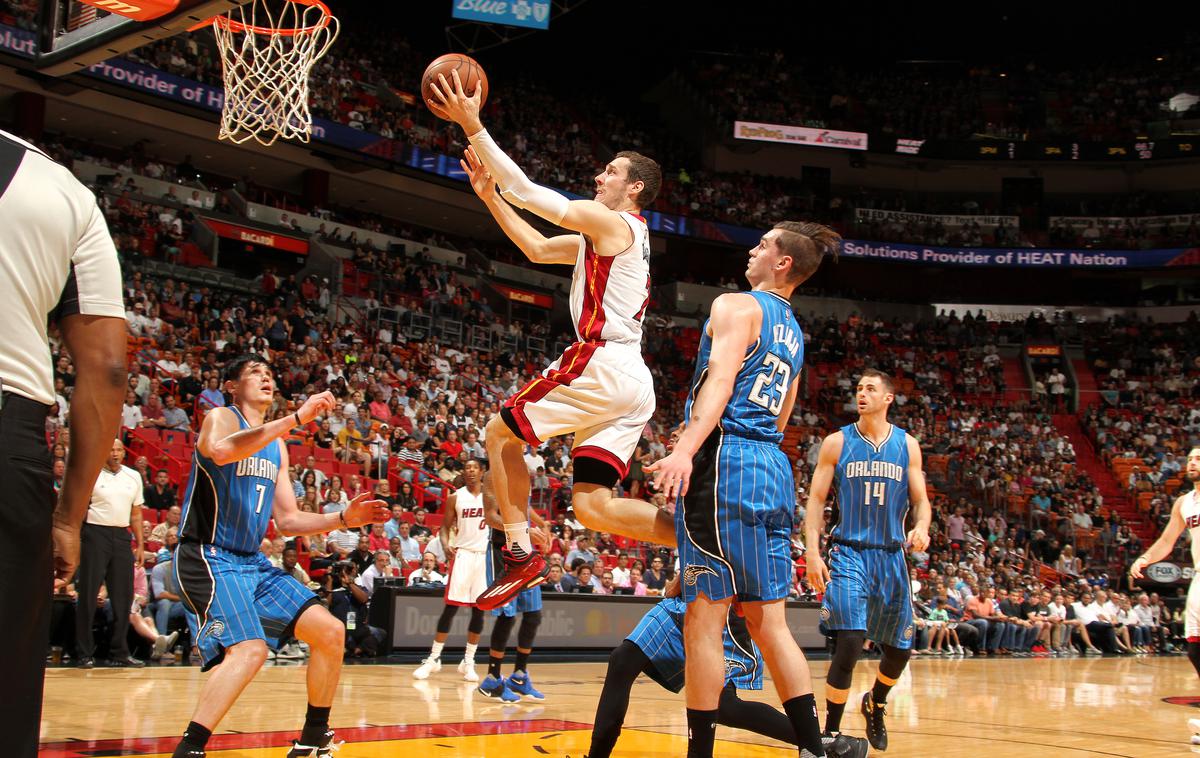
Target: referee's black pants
x: 104, y: 558
x: 26, y: 568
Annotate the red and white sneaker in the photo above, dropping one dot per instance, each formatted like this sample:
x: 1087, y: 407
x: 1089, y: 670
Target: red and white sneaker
x: 519, y: 574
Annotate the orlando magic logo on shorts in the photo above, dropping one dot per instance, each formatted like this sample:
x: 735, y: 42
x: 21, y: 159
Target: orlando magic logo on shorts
x: 692, y: 573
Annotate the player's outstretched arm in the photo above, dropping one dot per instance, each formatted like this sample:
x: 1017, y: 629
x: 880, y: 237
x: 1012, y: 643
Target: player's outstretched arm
x: 1165, y: 542
x: 586, y: 216
x: 918, y: 497
x: 537, y: 247
x: 814, y: 510
x: 221, y: 441
x: 292, y: 521
x: 735, y: 320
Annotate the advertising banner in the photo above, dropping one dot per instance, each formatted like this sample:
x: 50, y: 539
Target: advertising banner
x: 799, y: 135
x: 525, y: 296
x: 529, y: 14
x: 1021, y: 257
x: 945, y: 219
x: 257, y: 237
x: 569, y: 621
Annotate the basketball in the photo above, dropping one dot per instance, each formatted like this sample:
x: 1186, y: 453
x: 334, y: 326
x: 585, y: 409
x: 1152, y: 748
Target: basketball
x: 468, y: 69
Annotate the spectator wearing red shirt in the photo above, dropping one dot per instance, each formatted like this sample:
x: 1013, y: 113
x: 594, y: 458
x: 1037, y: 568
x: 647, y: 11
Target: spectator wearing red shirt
x: 452, y: 447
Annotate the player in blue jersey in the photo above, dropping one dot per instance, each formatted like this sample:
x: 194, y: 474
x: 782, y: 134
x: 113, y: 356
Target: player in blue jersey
x: 876, y: 469
x: 734, y: 518
x: 655, y: 648
x: 237, y: 603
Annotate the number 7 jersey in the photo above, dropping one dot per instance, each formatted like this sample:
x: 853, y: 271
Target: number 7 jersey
x: 872, y: 487
x: 230, y: 506
x: 770, y: 367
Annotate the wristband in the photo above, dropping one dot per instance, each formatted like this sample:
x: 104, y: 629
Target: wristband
x: 296, y: 416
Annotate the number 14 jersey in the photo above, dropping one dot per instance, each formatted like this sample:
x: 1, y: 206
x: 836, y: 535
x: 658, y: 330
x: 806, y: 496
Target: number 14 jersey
x: 871, y: 482
x: 770, y: 367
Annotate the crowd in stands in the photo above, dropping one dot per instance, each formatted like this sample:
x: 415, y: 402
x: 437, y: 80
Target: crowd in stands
x: 368, y: 82
x: 1114, y: 99
x: 1149, y: 418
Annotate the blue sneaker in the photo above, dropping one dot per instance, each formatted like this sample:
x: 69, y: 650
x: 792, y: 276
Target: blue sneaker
x: 520, y: 683
x: 498, y: 688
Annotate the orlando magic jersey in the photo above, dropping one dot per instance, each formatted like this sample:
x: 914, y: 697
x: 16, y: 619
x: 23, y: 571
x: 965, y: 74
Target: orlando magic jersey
x: 872, y: 488
x: 230, y: 506
x: 770, y: 367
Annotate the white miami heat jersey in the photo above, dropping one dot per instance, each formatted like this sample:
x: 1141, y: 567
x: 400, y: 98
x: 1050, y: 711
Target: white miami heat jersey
x: 472, y: 532
x: 609, y: 294
x: 1190, y: 510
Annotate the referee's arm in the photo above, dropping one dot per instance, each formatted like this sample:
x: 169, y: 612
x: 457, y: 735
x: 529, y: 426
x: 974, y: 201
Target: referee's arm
x: 95, y: 337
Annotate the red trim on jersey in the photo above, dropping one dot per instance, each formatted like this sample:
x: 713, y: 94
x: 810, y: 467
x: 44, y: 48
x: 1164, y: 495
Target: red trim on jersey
x: 449, y: 583
x: 646, y: 303
x: 638, y: 216
x: 596, y: 270
x: 600, y: 454
x: 527, y: 433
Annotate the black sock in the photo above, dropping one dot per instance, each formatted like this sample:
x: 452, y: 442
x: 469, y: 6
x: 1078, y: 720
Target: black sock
x: 494, y: 665
x: 316, y: 723
x: 753, y: 717
x: 522, y: 663
x: 880, y: 692
x: 195, y: 737
x: 833, y: 716
x: 802, y: 712
x: 702, y: 733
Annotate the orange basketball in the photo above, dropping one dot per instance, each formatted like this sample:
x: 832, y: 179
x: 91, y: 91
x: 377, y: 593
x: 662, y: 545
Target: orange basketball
x: 469, y: 71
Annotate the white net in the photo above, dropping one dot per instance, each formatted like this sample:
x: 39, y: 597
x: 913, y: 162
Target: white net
x: 268, y: 48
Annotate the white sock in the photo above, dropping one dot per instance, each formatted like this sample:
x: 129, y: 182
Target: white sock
x: 518, y: 539
x: 469, y: 653
x: 435, y: 652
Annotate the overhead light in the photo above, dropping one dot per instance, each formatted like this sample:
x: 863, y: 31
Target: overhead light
x: 1002, y: 76
x: 1160, y: 59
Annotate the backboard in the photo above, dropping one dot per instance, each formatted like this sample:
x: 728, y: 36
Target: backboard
x: 74, y: 35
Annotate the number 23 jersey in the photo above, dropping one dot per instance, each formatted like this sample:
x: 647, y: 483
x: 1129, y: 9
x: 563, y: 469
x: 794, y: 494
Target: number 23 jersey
x: 770, y: 367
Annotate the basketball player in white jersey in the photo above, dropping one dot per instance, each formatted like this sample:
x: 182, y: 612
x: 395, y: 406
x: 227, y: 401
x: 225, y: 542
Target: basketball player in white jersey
x: 600, y: 389
x: 1185, y: 514
x: 467, y: 551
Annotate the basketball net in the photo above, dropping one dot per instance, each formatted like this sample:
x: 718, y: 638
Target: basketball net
x: 268, y: 48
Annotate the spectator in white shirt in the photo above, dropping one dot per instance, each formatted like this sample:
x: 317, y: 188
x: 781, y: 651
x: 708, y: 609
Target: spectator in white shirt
x: 427, y: 574
x: 382, y: 567
x: 131, y: 412
x: 533, y: 460
x: 410, y: 549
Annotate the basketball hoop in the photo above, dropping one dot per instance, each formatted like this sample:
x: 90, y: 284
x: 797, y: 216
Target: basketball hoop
x: 268, y: 48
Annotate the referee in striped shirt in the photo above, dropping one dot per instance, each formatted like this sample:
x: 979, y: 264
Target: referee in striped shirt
x: 57, y: 264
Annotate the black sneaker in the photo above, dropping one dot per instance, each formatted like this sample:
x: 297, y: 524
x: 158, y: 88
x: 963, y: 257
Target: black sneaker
x: 128, y: 662
x: 876, y: 731
x: 189, y: 754
x: 844, y: 746
x: 87, y: 662
x: 323, y: 750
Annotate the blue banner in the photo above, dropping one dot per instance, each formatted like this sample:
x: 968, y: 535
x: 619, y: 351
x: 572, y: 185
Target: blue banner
x: 531, y: 14
x: 1020, y: 257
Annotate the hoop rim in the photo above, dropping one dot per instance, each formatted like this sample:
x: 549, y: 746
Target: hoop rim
x: 226, y: 22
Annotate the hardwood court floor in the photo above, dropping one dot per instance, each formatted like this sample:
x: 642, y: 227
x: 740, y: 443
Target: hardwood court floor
x: 944, y: 708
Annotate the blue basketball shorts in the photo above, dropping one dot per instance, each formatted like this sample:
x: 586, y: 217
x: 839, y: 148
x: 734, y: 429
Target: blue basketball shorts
x: 734, y: 526
x: 234, y: 597
x: 869, y: 589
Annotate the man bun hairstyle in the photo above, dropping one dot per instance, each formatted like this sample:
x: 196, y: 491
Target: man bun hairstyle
x: 645, y: 170
x: 807, y: 243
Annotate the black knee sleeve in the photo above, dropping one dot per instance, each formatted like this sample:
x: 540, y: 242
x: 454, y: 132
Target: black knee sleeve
x: 501, y: 631
x: 530, y: 621
x: 443, y: 624
x: 475, y: 625
x: 893, y: 661
x: 849, y: 643
x: 1194, y: 655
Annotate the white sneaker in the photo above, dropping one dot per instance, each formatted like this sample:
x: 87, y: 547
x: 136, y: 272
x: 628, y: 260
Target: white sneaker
x: 1093, y: 651
x: 1196, y: 739
x: 428, y: 666
x: 1194, y: 725
x: 467, y: 668
x: 291, y: 652
x: 960, y: 650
